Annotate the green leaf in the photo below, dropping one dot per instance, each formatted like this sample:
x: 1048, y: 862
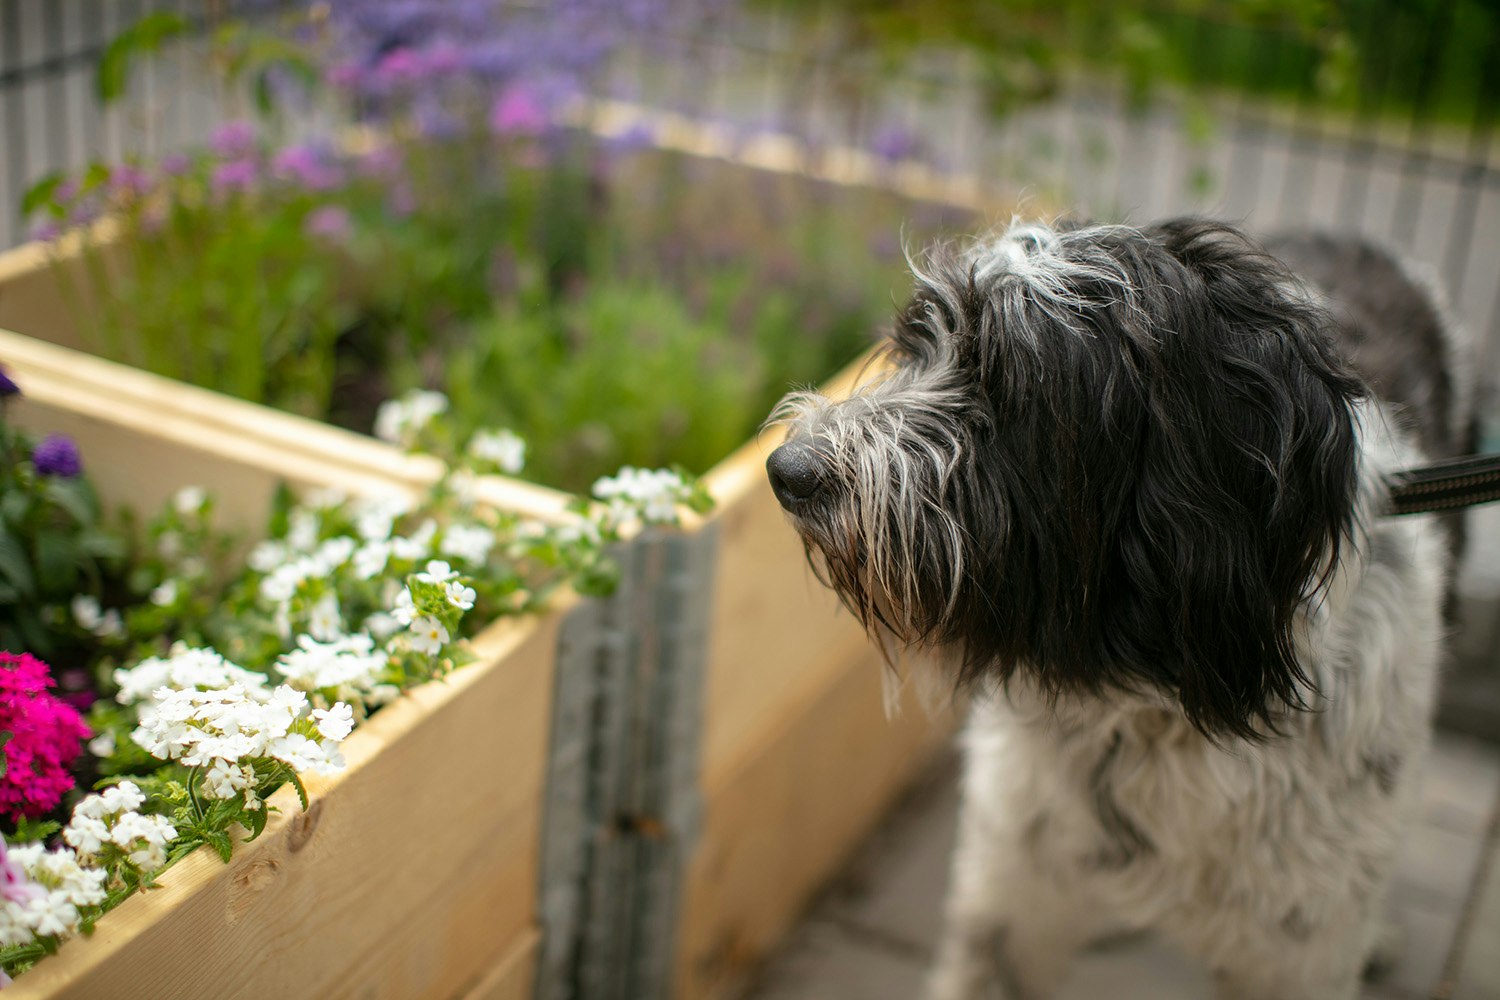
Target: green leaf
x: 75, y: 497
x: 301, y: 788
x: 146, y: 35
x: 5, y: 737
x: 41, y: 193
x: 102, y: 545
x: 257, y: 821
x: 14, y: 564
x: 219, y: 841
x: 56, y: 562
x: 14, y: 506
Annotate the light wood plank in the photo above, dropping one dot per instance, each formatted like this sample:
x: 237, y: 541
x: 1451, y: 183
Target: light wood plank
x: 413, y: 871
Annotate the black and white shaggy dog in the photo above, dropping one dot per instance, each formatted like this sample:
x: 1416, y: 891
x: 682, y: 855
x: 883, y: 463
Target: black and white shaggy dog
x: 1129, y: 482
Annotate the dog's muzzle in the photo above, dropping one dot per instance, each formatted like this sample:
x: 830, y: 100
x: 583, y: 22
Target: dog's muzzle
x: 796, y: 472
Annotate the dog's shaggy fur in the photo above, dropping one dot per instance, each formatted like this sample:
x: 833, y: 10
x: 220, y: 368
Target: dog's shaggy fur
x: 1130, y: 484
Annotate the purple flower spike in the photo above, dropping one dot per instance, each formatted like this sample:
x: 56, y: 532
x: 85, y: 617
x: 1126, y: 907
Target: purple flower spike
x: 236, y: 175
x: 516, y: 112
x: 175, y: 165
x: 57, y: 455
x: 307, y: 167
x: 8, y: 386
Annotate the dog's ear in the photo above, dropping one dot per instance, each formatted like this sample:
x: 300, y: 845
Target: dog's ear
x: 1246, y: 481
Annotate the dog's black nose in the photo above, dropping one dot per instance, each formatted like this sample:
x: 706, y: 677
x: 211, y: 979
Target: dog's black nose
x: 796, y: 473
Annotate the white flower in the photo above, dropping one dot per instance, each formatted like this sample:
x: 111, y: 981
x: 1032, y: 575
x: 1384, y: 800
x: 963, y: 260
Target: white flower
x: 375, y: 517
x: 165, y: 595
x: 169, y: 545
x: 504, y: 449
x: 400, y: 421
x: 111, y: 626
x: 459, y: 596
x: 324, y: 622
x: 382, y: 625
x: 334, y: 723
x: 86, y: 612
x: 650, y: 494
x: 465, y: 487
x: 418, y: 545
x: 266, y: 556
x: 189, y: 500
x: 183, y: 669
x: 470, y: 542
x: 57, y: 886
x: 428, y: 635
x: 437, y: 571
x: 345, y: 664
x: 370, y: 559
x: 405, y: 608
x: 303, y: 528
x: 103, y: 745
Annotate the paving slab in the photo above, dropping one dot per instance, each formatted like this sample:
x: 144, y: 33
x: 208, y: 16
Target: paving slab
x: 871, y: 935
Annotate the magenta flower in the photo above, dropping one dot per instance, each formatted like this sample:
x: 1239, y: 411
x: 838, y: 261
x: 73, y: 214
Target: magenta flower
x: 400, y: 66
x: 57, y: 455
x: 44, y: 742
x: 515, y: 112
x: 331, y: 222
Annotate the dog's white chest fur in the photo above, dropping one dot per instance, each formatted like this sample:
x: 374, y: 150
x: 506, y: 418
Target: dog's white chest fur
x: 1119, y: 815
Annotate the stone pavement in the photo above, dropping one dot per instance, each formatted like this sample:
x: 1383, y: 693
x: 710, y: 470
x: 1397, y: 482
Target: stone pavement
x: 871, y: 934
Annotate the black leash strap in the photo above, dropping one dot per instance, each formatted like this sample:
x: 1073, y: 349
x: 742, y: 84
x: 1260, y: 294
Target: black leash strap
x: 1446, y: 485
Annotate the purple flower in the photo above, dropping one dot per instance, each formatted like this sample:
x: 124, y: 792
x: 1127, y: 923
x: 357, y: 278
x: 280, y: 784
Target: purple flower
x: 233, y: 139
x: 128, y: 181
x: 308, y: 167
x: 235, y: 175
x: 516, y: 112
x: 57, y: 455
x: 175, y: 165
x: 8, y: 386
x: 46, y: 232
x: 343, y: 75
x: 400, y: 66
x: 894, y: 144
x: 331, y: 222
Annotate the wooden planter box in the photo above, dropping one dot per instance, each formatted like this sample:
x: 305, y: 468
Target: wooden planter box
x: 337, y: 900
x: 721, y: 814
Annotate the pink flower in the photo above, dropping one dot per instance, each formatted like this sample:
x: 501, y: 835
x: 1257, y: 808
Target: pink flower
x: 45, y: 733
x: 515, y: 112
x: 15, y: 886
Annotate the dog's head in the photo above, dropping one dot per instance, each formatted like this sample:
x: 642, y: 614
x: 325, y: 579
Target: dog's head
x: 1111, y: 458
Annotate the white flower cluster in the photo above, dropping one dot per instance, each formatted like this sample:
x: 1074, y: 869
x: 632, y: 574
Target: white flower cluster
x: 650, y: 495
x: 91, y: 618
x: 185, y: 668
x: 43, y: 892
x: 223, y: 731
x: 426, y: 633
x: 503, y: 449
x: 349, y: 668
x: 400, y: 421
x: 110, y: 818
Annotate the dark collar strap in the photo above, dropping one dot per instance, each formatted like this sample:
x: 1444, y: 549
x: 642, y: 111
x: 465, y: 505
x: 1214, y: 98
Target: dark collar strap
x: 1446, y: 485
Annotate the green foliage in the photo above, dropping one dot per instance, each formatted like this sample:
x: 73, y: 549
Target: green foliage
x: 145, y: 36
x: 54, y: 547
